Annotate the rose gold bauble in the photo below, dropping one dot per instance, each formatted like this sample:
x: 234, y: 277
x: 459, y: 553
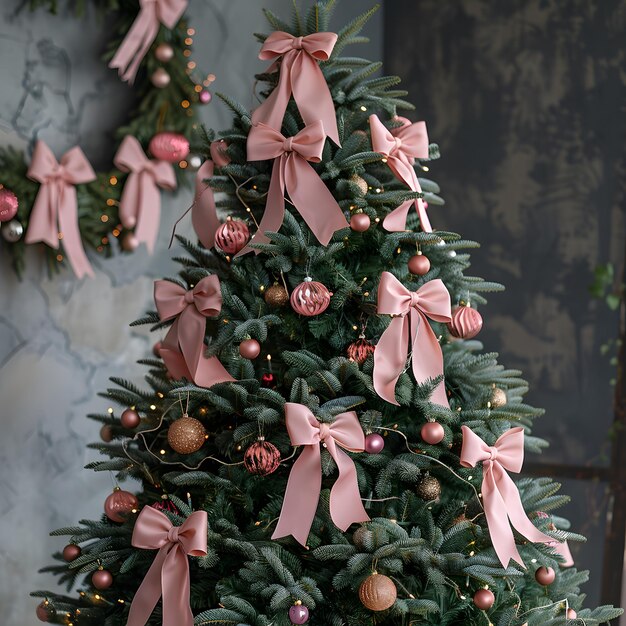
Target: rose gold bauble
x: 130, y: 419
x: 168, y: 146
x: 8, y: 204
x: 466, y: 322
x: 432, y: 433
x: 545, y: 575
x: 359, y: 350
x: 44, y: 612
x: 360, y: 222
x: 359, y: 536
x: 310, y: 298
x: 498, y: 398
x: 232, y: 236
x: 102, y: 579
x: 378, y: 592
x: 164, y: 53
x: 219, y: 153
x: 276, y: 295
x: 106, y: 433
x: 186, y: 435
x: 571, y: 614
x: 249, y: 348
x: 160, y: 78
x: 119, y: 504
x: 419, y: 264
x: 361, y: 183
x: 129, y: 242
x: 71, y: 552
x: 428, y: 488
x: 261, y: 458
x: 484, y: 599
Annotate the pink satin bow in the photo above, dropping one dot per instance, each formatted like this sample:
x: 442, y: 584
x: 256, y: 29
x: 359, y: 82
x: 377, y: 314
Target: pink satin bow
x: 140, y: 204
x: 183, y: 346
x: 168, y: 575
x: 401, y: 146
x: 292, y: 172
x: 301, y: 75
x: 55, y: 212
x: 305, y: 480
x: 501, y: 498
x: 410, y: 311
x: 203, y: 212
x: 142, y: 33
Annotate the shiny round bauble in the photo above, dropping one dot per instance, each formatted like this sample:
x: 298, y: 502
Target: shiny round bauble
x: 262, y: 458
x: 186, y: 435
x: 129, y: 242
x: 169, y: 146
x: 378, y: 592
x: 571, y: 614
x: 119, y: 504
x: 232, y: 236
x: 12, y: 231
x: 545, y: 576
x: 419, y: 264
x: 160, y: 78
x: 360, y: 222
x: 249, y: 348
x: 164, y: 53
x: 268, y: 380
x: 298, y: 614
x: 359, y: 350
x: 276, y: 295
x: 310, y: 298
x: 205, y: 96
x: 71, y: 552
x: 484, y: 599
x: 102, y: 579
x: 360, y: 182
x: 130, y: 419
x: 219, y: 152
x: 466, y: 322
x: 195, y: 161
x: 432, y: 433
x: 156, y: 349
x: 106, y: 433
x: 44, y: 612
x: 8, y: 204
x: 374, y: 443
x: 498, y: 398
x: 428, y: 488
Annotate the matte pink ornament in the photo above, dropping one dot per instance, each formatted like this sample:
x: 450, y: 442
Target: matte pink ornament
x: 484, y: 599
x: 8, y: 204
x: 102, y: 579
x: 232, y: 236
x: 249, y: 348
x: 545, y: 575
x: 205, y: 97
x: 169, y: 146
x: 119, y: 504
x: 164, y: 53
x: 71, y: 552
x: 219, y: 153
x: 374, y: 443
x: 160, y: 78
x: 298, y: 614
x: 130, y: 419
x: 360, y: 222
x: 571, y: 614
x: 310, y: 298
x: 419, y: 264
x: 466, y: 322
x: 432, y: 433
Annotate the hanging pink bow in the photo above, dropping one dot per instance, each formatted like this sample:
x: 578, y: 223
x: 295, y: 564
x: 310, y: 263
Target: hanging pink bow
x: 305, y: 480
x: 168, y: 575
x: 410, y: 311
x: 291, y: 171
x: 501, y: 498
x: 301, y: 75
x: 203, y: 212
x: 401, y: 146
x: 55, y: 212
x: 142, y: 33
x: 183, y: 346
x: 140, y: 204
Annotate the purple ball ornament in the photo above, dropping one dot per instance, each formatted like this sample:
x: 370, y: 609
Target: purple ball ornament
x: 298, y: 614
x: 374, y: 443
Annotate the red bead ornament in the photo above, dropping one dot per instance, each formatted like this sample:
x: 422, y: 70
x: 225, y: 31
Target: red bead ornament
x: 8, y: 204
x: 310, y: 298
x: 261, y: 458
x: 419, y: 264
x: 130, y: 419
x: 119, y: 504
x: 71, y: 552
x: 432, y: 433
x: 268, y: 380
x: 232, y: 236
x: 360, y: 222
x: 545, y: 575
x: 360, y: 350
x: 484, y: 599
x: 466, y: 322
x: 249, y: 348
x: 168, y: 146
x: 102, y: 579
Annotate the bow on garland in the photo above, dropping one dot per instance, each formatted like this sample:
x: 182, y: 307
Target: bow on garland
x: 501, y: 498
x: 305, y: 480
x: 301, y: 75
x: 168, y: 575
x: 401, y: 146
x: 410, y: 311
x: 55, y: 212
x: 183, y: 346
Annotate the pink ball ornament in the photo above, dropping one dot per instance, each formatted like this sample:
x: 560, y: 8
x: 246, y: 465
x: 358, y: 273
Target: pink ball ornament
x: 160, y: 78
x: 571, y: 614
x: 419, y: 264
x: 545, y: 576
x: 360, y: 222
x: 8, y: 204
x: 164, y: 53
x: 205, y: 97
x: 232, y: 236
x: 374, y: 443
x: 298, y: 614
x: 484, y: 599
x: 102, y: 579
x: 168, y: 146
x: 119, y: 504
x: 310, y: 298
x: 432, y: 433
x: 130, y: 419
x: 71, y: 552
x: 466, y: 322
x: 249, y: 348
x: 219, y: 153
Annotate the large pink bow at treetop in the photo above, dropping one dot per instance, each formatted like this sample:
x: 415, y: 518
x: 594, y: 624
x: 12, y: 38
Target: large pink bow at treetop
x: 142, y: 33
x: 501, y: 498
x: 203, y: 211
x: 183, y: 346
x: 168, y: 575
x: 305, y: 480
x: 292, y: 172
x: 301, y: 75
x: 55, y: 212
x: 401, y: 146
x: 140, y: 204
x: 410, y: 311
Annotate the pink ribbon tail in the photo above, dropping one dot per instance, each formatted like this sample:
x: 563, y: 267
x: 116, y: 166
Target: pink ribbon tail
x: 203, y: 212
x: 390, y: 358
x: 140, y: 207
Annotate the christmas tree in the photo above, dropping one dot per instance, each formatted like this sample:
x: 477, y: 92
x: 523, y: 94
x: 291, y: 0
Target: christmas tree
x: 321, y: 441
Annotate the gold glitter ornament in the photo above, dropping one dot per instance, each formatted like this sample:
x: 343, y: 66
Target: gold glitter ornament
x: 186, y: 435
x: 276, y: 295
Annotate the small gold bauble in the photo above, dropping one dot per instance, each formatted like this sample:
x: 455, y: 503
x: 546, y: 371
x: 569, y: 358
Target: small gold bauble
x: 361, y: 183
x: 428, y: 488
x: 276, y: 295
x: 377, y: 592
x: 186, y: 435
x: 498, y: 398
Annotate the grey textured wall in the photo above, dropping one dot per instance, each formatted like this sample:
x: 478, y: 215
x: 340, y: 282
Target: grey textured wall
x: 60, y: 339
